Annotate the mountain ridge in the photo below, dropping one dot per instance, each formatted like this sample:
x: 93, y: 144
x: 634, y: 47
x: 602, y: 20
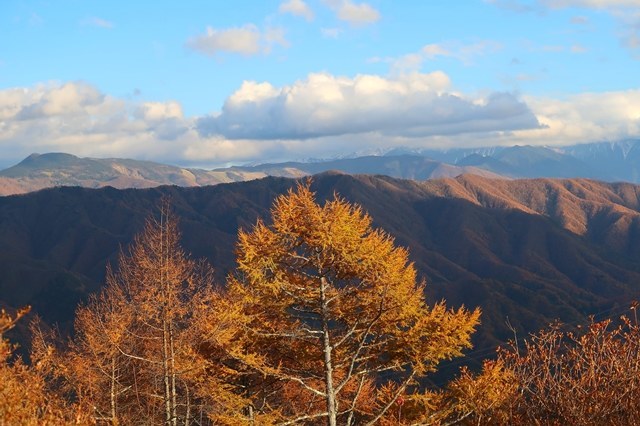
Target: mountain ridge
x: 608, y: 161
x: 530, y: 250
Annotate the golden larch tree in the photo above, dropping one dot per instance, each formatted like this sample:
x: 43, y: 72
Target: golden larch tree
x: 134, y: 357
x: 338, y: 325
x: 24, y: 396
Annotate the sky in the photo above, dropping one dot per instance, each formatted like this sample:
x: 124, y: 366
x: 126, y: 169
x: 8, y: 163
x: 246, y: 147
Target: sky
x: 211, y: 83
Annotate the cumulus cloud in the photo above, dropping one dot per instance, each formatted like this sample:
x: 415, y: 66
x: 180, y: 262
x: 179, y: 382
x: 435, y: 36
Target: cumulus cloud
x: 246, y: 40
x: 66, y: 100
x: 413, y: 105
x: 587, y: 117
x: 297, y: 8
x: 76, y: 117
x: 319, y: 116
x: 356, y: 14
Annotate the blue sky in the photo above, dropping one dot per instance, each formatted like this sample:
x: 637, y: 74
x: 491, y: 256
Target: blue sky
x: 209, y: 83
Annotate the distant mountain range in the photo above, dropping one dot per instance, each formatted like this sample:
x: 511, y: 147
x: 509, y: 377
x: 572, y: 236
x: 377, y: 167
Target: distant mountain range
x: 615, y: 161
x: 526, y: 251
x: 39, y: 171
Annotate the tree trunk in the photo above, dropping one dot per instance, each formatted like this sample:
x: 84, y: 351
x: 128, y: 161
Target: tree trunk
x: 165, y: 373
x: 187, y: 415
x: 168, y: 362
x: 172, y: 367
x: 113, y: 390
x: 332, y: 409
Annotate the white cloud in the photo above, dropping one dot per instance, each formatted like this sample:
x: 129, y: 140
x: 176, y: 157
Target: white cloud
x: 66, y: 100
x: 297, y: 8
x: 76, y: 117
x: 272, y: 37
x: 246, y: 40
x: 319, y: 116
x: 412, y: 105
x: 157, y: 111
x: 356, y: 14
x: 464, y: 52
x: 431, y: 51
x: 587, y: 117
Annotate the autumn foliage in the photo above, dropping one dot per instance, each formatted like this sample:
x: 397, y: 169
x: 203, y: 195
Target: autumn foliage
x: 24, y: 397
x: 324, y: 321
x: 590, y: 378
x: 337, y: 318
x: 555, y: 377
x: 134, y: 354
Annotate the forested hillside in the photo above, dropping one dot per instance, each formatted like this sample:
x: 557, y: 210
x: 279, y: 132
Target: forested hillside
x: 531, y: 251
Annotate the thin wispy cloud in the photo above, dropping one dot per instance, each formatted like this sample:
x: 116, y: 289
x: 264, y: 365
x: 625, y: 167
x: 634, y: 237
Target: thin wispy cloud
x: 593, y: 4
x: 625, y: 12
x: 333, y: 33
x: 356, y: 14
x: 466, y: 53
x: 577, y: 48
x: 297, y: 8
x: 97, y: 22
x: 246, y: 40
x: 579, y: 20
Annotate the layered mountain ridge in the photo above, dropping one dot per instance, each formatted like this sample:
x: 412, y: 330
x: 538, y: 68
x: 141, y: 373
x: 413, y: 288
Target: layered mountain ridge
x: 527, y: 250
x: 607, y: 161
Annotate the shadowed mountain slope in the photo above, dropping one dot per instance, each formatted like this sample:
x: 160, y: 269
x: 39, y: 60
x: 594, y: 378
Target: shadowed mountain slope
x: 530, y: 250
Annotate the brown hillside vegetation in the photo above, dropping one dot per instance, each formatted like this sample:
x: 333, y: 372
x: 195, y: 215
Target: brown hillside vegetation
x: 579, y: 205
x: 9, y: 186
x: 556, y: 377
x: 58, y: 169
x: 323, y: 322
x: 531, y: 250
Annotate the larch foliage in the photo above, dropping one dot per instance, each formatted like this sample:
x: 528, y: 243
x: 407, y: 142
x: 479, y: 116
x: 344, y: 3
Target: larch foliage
x: 24, y: 397
x: 135, y: 356
x: 336, y: 322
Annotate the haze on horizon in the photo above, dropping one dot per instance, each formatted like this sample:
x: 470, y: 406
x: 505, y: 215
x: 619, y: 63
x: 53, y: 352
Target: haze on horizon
x: 198, y: 83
